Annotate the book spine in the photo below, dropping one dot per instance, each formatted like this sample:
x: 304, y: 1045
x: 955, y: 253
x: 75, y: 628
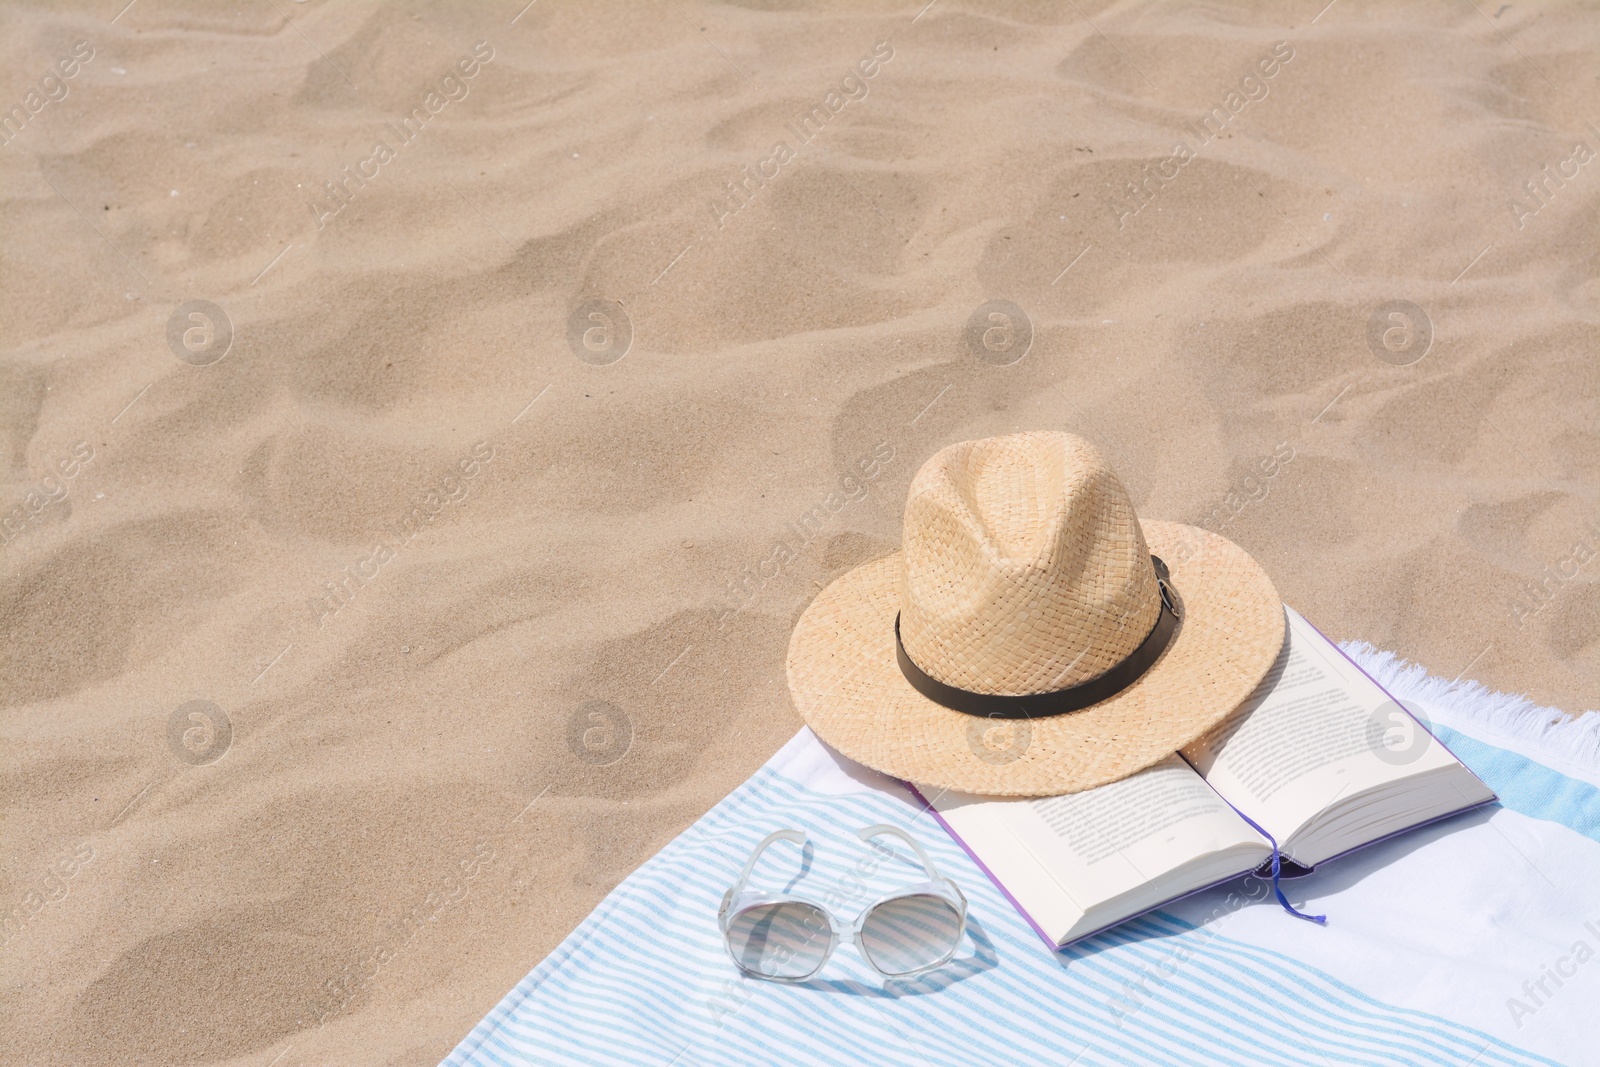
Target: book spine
x: 928, y: 805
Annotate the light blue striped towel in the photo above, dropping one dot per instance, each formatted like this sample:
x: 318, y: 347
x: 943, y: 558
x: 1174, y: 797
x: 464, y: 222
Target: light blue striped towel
x: 1472, y: 942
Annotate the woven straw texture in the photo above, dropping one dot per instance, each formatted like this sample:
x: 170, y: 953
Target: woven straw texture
x: 1025, y: 570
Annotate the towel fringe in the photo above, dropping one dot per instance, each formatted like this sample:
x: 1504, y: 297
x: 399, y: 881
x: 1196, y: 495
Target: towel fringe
x: 1571, y: 739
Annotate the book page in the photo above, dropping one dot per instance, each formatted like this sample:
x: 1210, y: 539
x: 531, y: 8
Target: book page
x: 1315, y: 730
x: 1101, y: 843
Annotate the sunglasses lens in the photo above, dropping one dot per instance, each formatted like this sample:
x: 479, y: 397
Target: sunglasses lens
x: 909, y: 933
x: 784, y: 940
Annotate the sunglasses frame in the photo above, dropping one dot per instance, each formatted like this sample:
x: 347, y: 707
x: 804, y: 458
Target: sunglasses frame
x: 738, y: 900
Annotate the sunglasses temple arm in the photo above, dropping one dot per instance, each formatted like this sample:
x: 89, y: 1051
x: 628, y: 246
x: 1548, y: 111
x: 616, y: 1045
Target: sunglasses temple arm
x: 796, y: 836
x: 867, y: 833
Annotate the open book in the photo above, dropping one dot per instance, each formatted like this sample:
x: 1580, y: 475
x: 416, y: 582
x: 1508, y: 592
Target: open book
x: 1319, y: 757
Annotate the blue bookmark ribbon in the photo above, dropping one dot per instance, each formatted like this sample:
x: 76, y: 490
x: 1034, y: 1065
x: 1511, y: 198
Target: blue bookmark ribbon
x: 1276, y: 864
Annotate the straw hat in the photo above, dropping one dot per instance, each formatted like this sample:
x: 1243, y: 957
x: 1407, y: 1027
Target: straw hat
x: 1023, y: 641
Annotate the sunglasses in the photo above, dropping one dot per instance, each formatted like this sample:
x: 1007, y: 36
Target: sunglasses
x: 787, y: 938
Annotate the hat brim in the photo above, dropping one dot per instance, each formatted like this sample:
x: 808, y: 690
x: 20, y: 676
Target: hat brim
x: 848, y: 687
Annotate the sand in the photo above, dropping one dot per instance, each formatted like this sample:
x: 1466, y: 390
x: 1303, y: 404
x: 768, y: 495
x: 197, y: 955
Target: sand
x: 359, y: 636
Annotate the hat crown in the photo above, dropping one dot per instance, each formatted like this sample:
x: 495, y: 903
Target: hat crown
x: 1024, y: 567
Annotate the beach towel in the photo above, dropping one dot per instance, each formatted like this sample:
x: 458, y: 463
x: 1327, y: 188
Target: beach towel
x: 1474, y: 941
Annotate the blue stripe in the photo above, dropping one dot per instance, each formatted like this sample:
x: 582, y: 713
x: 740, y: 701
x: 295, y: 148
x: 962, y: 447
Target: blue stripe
x: 1526, y: 787
x: 1233, y: 977
x: 1179, y: 1026
x: 1294, y: 1026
